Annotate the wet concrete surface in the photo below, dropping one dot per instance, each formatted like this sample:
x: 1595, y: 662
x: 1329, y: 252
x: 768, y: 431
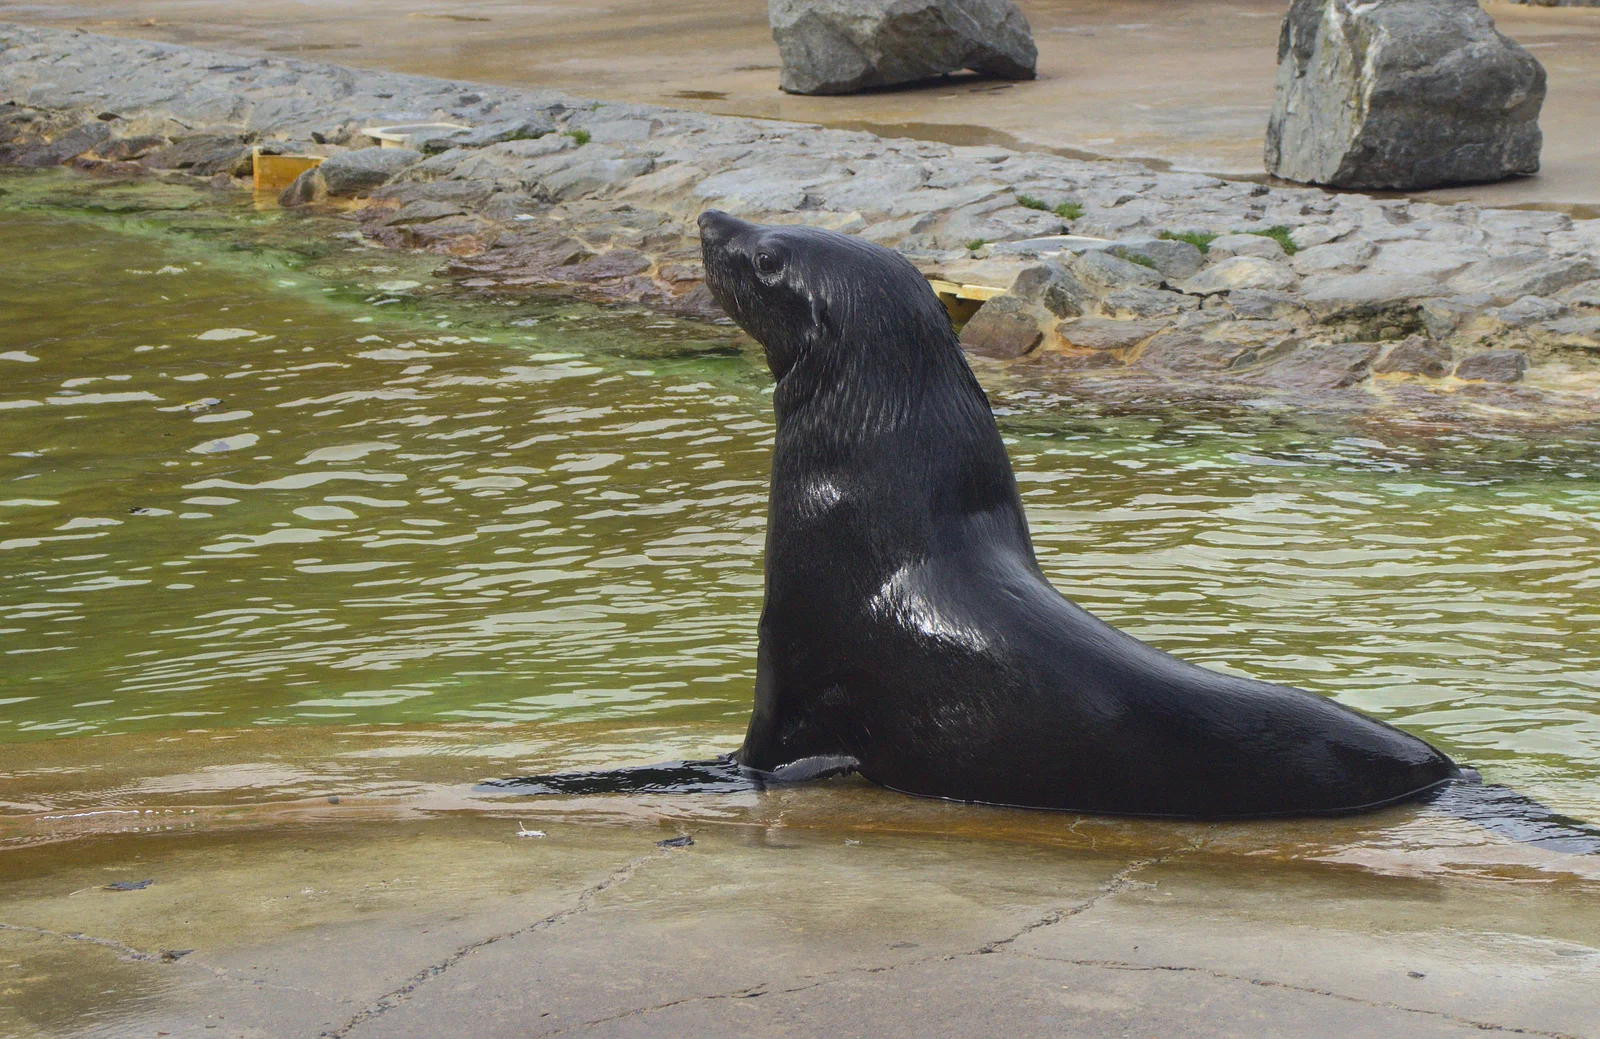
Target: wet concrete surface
x: 1186, y: 82
x: 446, y: 923
x: 415, y: 906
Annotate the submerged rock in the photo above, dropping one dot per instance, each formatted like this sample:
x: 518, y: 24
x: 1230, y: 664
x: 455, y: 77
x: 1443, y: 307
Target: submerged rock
x: 842, y: 46
x: 1401, y: 94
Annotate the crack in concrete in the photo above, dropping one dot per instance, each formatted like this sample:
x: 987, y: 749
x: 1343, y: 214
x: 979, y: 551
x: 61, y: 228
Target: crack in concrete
x: 387, y: 1002
x: 1118, y: 881
x: 748, y: 992
x: 1484, y: 1026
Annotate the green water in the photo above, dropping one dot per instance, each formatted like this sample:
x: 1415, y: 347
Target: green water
x: 249, y: 478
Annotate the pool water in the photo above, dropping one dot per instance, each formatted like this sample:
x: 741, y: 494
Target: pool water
x: 260, y: 483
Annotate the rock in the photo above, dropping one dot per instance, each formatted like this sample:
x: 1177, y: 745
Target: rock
x: 1240, y: 272
x: 1246, y: 245
x: 523, y: 128
x: 1430, y: 259
x: 423, y: 211
x: 843, y: 46
x: 1112, y: 272
x: 354, y: 174
x: 1586, y: 294
x: 593, y: 177
x: 561, y: 252
x: 1401, y: 94
x: 1325, y: 366
x: 1494, y: 366
x: 1139, y: 302
x: 1525, y: 274
x: 1335, y: 258
x: 1415, y: 356
x: 1005, y: 327
x: 1093, y: 333
x: 1050, y: 245
x: 618, y: 263
x: 203, y: 156
x: 121, y: 149
x: 549, y: 144
x: 1529, y: 310
x: 66, y: 146
x: 1174, y: 259
x: 1441, y: 317
x: 1308, y: 236
x: 459, y: 192
x: 1255, y: 304
x: 307, y: 187
x: 1338, y: 294
x: 612, y: 129
x: 1076, y: 360
x: 1054, y: 288
x: 1509, y: 221
x: 1576, y: 331
x: 1190, y: 352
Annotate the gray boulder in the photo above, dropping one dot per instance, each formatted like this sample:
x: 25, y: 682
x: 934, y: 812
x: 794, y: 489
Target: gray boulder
x: 1113, y: 272
x: 357, y: 173
x: 1401, y: 94
x: 1053, y: 288
x: 1004, y: 328
x: 305, y: 188
x: 843, y: 46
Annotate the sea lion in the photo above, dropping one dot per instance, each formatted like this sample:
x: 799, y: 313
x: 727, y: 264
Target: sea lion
x: 907, y: 630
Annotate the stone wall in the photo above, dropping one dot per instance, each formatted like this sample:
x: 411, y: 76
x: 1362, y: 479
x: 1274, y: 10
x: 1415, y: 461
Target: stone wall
x: 1335, y: 299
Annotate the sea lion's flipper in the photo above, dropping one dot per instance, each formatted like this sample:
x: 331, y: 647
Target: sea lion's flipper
x: 1503, y: 811
x: 806, y: 769
x: 721, y: 775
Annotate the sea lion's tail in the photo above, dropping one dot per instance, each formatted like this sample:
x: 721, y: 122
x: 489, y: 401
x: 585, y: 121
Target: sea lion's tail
x: 1503, y: 811
x: 721, y: 775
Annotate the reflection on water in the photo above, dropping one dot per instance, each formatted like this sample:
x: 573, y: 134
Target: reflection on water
x: 235, y: 495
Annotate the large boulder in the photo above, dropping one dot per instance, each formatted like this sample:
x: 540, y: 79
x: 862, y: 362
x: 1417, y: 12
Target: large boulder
x: 360, y: 172
x: 1401, y: 94
x: 842, y: 46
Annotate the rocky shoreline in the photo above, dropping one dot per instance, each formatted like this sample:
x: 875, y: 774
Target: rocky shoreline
x: 1103, y: 277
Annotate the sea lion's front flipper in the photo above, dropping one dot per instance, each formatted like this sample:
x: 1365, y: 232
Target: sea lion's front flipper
x: 824, y: 766
x: 717, y: 776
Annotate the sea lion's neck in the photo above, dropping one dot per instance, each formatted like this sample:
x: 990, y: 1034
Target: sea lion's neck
x: 902, y: 454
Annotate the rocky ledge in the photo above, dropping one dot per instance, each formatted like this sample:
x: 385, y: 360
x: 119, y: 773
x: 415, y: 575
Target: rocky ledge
x: 1102, y: 277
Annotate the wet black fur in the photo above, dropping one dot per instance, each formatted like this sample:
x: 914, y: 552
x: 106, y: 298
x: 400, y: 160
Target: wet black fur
x: 907, y: 625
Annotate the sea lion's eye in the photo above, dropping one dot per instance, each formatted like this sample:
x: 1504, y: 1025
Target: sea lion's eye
x: 766, y: 263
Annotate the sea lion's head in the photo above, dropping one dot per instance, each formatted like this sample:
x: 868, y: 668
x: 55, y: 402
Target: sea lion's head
x: 827, y: 301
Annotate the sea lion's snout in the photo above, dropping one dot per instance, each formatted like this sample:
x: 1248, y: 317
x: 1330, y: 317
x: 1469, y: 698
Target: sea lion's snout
x: 717, y: 229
